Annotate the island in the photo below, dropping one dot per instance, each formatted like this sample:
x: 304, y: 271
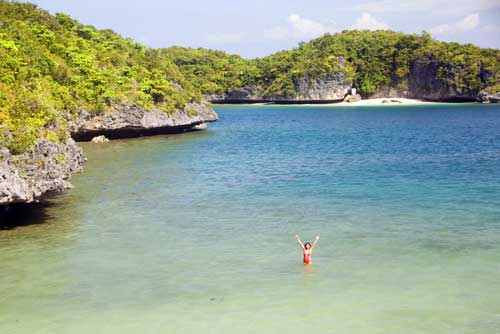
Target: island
x: 375, y: 64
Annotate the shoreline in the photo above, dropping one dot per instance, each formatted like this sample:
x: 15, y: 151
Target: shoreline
x: 385, y: 101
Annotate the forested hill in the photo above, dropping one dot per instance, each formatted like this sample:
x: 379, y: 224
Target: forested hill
x: 377, y: 63
x: 51, y: 66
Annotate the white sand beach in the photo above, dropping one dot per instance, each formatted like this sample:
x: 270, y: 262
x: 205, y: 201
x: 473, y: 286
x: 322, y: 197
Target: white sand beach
x: 384, y: 101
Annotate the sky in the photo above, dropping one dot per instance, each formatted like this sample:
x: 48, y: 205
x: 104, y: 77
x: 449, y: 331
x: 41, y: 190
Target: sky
x: 257, y: 28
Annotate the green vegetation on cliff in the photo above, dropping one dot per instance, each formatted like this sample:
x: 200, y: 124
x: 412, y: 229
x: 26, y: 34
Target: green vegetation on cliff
x: 51, y: 65
x: 370, y: 61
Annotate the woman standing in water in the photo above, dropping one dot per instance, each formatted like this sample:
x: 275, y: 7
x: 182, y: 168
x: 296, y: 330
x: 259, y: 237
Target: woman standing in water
x: 307, y: 248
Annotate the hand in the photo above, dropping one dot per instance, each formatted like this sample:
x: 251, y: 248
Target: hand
x: 296, y: 236
x: 317, y: 237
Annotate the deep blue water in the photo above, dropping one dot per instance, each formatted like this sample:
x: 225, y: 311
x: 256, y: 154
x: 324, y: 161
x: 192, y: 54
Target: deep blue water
x: 436, y: 157
x: 194, y: 233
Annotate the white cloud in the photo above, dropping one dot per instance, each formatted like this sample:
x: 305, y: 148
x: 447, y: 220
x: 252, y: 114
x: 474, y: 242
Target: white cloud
x: 368, y: 22
x: 224, y: 38
x: 468, y: 23
x: 442, y: 7
x: 300, y: 28
x: 440, y: 29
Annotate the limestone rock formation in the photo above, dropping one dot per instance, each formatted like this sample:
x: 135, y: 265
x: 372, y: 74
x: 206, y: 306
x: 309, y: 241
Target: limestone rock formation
x: 129, y: 120
x: 45, y: 168
x: 352, y: 98
x: 425, y: 82
x: 486, y: 97
x: 332, y: 88
x: 307, y: 89
x: 99, y: 139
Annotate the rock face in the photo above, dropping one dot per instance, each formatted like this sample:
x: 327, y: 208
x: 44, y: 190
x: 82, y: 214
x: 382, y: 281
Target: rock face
x: 425, y: 83
x: 322, y: 89
x: 486, y: 97
x: 44, y: 169
x: 332, y: 88
x: 307, y: 90
x: 249, y: 93
x: 99, y: 140
x: 129, y: 120
x: 428, y: 81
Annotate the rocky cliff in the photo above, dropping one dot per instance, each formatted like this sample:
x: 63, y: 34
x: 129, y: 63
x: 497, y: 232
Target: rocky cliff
x: 428, y: 81
x: 331, y: 88
x: 44, y: 169
x: 432, y: 80
x: 307, y: 90
x: 129, y: 120
x: 488, y: 97
x: 425, y: 82
x: 47, y: 167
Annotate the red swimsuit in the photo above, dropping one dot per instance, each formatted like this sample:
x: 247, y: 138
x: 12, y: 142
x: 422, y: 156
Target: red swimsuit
x: 307, y: 257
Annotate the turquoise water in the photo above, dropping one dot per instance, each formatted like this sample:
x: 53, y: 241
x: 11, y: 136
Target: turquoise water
x: 194, y: 233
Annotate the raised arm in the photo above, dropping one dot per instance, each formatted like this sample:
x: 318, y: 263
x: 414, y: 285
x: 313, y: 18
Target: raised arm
x: 315, y: 241
x: 300, y: 241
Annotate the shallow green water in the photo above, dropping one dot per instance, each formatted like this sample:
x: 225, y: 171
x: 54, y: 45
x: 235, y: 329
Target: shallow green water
x: 194, y: 233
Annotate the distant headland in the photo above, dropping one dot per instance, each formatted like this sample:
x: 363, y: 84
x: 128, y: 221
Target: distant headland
x: 377, y: 64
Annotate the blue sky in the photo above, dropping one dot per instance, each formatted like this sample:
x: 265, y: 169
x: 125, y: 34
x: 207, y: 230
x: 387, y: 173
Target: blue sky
x: 260, y: 27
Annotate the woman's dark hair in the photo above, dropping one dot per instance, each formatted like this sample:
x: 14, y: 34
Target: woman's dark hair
x: 307, y: 243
